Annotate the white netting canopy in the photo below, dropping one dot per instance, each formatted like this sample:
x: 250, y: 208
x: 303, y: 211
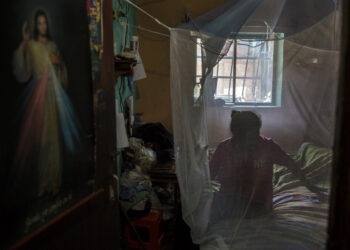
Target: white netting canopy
x: 253, y: 92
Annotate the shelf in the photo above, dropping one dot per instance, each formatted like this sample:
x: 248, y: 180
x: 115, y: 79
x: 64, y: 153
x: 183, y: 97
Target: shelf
x: 123, y: 66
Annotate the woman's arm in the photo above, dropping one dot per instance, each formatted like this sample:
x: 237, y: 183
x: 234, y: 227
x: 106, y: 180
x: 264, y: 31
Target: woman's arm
x: 296, y: 170
x: 282, y: 158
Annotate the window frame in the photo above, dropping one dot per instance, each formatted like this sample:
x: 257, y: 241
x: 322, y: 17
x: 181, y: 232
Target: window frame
x: 277, y: 78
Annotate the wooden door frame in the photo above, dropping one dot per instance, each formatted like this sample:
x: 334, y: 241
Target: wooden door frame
x: 339, y: 215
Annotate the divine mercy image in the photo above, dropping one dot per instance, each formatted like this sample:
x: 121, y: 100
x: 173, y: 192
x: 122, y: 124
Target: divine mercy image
x: 48, y: 162
x: 48, y: 115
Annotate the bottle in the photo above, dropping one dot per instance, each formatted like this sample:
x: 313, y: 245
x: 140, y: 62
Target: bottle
x: 134, y: 43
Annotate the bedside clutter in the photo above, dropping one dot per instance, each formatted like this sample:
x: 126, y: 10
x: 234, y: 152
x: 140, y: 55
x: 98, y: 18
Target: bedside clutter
x: 149, y: 193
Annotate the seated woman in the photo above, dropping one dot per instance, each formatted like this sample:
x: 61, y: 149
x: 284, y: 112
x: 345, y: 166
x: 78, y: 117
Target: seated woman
x: 243, y: 165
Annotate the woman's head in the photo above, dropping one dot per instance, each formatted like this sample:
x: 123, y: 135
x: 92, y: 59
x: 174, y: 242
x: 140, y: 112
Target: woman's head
x: 41, y: 26
x: 245, y: 124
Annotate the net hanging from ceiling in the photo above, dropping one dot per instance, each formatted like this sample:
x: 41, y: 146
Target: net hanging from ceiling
x: 253, y: 92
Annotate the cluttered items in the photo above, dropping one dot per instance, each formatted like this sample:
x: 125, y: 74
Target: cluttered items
x: 123, y: 66
x: 128, y: 61
x: 148, y: 157
x: 148, y: 185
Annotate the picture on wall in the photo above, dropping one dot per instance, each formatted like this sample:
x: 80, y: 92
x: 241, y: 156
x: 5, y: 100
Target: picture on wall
x: 48, y: 146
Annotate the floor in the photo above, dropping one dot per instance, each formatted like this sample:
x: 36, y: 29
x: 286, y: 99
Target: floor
x: 177, y: 236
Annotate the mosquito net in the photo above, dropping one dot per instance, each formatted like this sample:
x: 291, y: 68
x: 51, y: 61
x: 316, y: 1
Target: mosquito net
x: 253, y: 92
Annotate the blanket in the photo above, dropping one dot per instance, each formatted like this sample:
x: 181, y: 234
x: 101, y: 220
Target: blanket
x: 299, y: 218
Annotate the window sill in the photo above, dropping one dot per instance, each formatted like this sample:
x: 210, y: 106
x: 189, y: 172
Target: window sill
x: 251, y: 106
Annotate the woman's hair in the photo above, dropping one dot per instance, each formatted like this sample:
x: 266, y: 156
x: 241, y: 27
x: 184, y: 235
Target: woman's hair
x: 244, y: 120
x: 36, y: 32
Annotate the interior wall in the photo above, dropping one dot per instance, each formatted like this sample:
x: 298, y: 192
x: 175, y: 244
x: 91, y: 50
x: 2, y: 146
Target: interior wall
x: 124, y: 86
x: 153, y: 98
x: 307, y: 111
x: 309, y: 86
x: 288, y: 125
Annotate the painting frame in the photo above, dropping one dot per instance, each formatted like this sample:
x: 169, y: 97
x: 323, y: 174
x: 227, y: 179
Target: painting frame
x: 43, y: 134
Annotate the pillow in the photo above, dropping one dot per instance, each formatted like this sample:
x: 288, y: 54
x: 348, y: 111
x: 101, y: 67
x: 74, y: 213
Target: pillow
x: 314, y: 161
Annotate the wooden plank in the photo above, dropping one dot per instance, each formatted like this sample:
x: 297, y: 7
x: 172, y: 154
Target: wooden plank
x: 59, y: 218
x: 339, y: 218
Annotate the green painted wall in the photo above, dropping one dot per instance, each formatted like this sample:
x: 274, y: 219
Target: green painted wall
x: 125, y: 86
x: 122, y: 34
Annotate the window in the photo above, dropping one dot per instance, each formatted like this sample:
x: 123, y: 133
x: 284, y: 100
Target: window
x: 250, y: 74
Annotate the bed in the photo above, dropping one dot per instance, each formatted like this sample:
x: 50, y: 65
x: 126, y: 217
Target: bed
x: 299, y: 217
